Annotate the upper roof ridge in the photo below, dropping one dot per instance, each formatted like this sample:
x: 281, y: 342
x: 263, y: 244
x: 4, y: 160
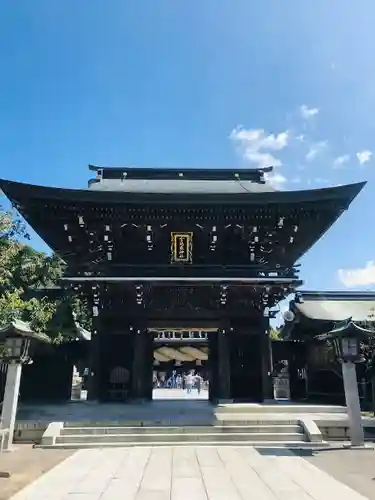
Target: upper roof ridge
x: 219, y: 174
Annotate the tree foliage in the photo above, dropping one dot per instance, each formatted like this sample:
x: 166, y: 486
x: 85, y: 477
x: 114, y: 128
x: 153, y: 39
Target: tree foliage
x: 275, y: 333
x: 24, y: 272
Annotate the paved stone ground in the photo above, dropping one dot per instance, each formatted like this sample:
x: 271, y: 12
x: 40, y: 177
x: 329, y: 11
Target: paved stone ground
x: 356, y: 468
x: 186, y: 474
x: 25, y: 465
x: 179, y: 394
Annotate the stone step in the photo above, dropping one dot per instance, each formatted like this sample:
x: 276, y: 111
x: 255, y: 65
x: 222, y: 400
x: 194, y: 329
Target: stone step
x: 225, y: 429
x: 171, y: 422
x: 173, y: 437
x: 178, y: 444
x: 277, y: 408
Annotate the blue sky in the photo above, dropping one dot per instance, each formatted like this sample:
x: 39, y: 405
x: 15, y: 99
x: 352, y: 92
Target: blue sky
x: 214, y: 83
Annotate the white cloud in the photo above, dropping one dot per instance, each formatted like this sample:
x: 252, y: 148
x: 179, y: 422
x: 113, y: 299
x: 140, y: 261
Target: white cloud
x: 262, y: 149
x: 257, y: 139
x: 276, y: 142
x: 256, y: 145
x: 364, y: 156
x: 358, y: 277
x: 296, y: 180
x: 262, y: 159
x: 307, y: 112
x: 275, y: 180
x: 340, y: 161
x: 316, y: 149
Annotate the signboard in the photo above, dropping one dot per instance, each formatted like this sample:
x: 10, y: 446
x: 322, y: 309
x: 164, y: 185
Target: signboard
x: 180, y: 335
x: 181, y: 248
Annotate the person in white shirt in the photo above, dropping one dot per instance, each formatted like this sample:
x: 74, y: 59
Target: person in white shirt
x: 189, y: 380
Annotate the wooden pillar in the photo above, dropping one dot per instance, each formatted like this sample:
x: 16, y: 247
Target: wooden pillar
x: 267, y: 363
x: 138, y: 360
x: 93, y: 391
x: 142, y: 365
x: 213, y: 366
x: 93, y: 382
x: 223, y: 392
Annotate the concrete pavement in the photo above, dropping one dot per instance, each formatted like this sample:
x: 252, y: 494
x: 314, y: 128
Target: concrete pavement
x: 354, y: 467
x: 25, y: 465
x: 186, y: 474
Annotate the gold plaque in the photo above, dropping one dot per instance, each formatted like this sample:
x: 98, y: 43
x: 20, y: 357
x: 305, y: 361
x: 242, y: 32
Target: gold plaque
x: 182, y: 247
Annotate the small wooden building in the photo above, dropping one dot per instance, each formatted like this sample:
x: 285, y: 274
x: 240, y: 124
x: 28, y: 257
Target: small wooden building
x: 317, y: 312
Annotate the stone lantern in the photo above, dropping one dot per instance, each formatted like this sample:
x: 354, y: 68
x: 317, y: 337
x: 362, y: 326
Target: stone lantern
x: 15, y: 342
x: 346, y: 337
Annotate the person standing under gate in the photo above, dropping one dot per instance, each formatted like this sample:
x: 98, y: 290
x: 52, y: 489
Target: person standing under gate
x: 198, y: 382
x: 189, y: 382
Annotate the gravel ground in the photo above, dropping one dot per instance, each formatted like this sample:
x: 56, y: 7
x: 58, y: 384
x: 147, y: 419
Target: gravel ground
x: 25, y: 465
x: 355, y: 468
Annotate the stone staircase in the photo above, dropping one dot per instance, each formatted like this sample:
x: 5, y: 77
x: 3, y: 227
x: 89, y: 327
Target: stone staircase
x: 188, y: 423
x: 260, y: 433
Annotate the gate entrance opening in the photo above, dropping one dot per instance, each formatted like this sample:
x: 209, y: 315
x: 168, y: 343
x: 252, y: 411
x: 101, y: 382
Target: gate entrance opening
x: 181, y: 364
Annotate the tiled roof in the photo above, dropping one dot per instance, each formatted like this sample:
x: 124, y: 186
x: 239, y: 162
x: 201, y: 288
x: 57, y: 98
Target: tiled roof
x: 338, y: 310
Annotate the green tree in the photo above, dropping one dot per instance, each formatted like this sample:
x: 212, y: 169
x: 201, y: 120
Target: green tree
x: 24, y: 269
x: 275, y: 333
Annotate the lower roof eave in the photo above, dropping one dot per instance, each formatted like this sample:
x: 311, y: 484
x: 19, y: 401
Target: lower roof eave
x: 17, y: 192
x: 344, y: 295
x: 176, y: 280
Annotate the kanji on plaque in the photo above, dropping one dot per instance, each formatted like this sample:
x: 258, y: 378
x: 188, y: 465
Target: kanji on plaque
x: 182, y: 247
